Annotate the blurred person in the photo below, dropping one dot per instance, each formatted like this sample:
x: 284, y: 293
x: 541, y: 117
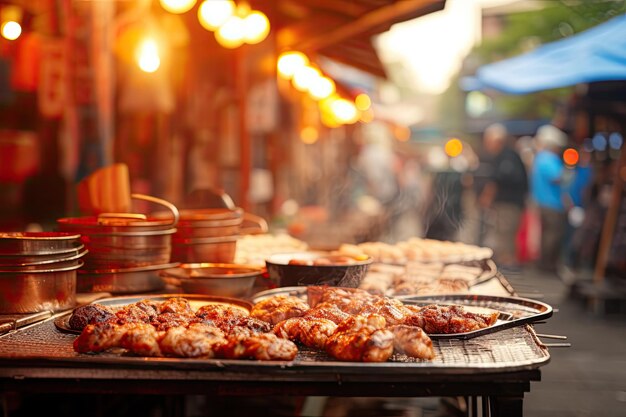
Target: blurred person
x: 503, y: 196
x: 548, y: 193
x: 578, y: 194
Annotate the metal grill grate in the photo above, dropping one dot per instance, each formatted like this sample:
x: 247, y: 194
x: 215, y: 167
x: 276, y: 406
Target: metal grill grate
x: 512, y: 349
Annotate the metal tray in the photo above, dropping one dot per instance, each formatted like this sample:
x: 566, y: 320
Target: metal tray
x: 513, y: 311
x: 195, y: 300
x: 43, y: 345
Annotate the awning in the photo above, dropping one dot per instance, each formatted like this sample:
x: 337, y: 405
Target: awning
x: 597, y: 54
x: 342, y: 29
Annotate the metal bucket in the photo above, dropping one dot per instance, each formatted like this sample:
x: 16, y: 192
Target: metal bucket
x: 51, y: 289
x: 208, y: 249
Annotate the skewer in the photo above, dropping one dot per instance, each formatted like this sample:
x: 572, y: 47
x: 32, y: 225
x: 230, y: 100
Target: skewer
x: 557, y: 345
x: 552, y: 336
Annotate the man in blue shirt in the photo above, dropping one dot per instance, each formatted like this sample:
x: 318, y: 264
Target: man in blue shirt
x: 547, y: 192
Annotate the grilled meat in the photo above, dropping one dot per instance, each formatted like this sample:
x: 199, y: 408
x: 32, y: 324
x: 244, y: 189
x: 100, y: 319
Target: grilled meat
x: 361, y: 339
x: 245, y: 344
x: 279, y: 308
x: 391, y: 309
x: 412, y: 341
x: 197, y: 340
x: 100, y: 337
x: 90, y: 314
x: 348, y: 300
x: 176, y: 305
x: 141, y: 339
x: 141, y: 312
x: 327, y: 311
x: 436, y: 319
x: 310, y: 331
x: 216, y: 312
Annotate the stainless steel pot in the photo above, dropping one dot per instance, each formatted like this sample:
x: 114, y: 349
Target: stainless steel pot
x: 8, y: 260
x: 37, y: 243
x: 123, y: 280
x: 202, y: 250
x: 51, y: 289
x: 46, y: 264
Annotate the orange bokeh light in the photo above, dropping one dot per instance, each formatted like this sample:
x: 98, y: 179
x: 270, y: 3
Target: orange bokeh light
x: 570, y: 156
x: 453, y: 147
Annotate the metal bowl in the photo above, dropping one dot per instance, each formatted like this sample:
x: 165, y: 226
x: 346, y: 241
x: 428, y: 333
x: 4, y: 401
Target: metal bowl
x: 227, y: 280
x: 202, y: 250
x: 123, y: 280
x: 37, y: 243
x: 340, y: 275
x: 51, y: 289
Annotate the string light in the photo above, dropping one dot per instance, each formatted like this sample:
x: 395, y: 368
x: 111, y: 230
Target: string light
x: 453, y: 147
x: 231, y: 34
x: 309, y: 135
x: 148, y: 56
x: 322, y: 88
x: 289, y: 62
x: 363, y: 102
x: 212, y: 14
x: 256, y: 26
x: 177, y: 6
x: 344, y: 111
x: 11, y: 30
x: 570, y: 156
x: 305, y: 77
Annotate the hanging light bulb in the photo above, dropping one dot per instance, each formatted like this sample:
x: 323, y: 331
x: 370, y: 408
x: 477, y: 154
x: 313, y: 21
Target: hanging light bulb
x: 148, y: 56
x: 289, y: 62
x: 257, y: 27
x: 214, y: 13
x: 305, y: 77
x: 231, y: 34
x: 177, y: 6
x: 344, y: 111
x: 11, y: 30
x: 322, y: 88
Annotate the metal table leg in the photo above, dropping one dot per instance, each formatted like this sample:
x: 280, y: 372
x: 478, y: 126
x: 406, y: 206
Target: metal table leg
x: 507, y: 406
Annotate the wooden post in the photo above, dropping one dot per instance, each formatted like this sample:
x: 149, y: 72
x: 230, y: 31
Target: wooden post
x: 241, y: 86
x: 608, y: 228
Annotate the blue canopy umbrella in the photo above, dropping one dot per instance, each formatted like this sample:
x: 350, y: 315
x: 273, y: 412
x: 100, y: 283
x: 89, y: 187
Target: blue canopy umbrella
x: 597, y: 54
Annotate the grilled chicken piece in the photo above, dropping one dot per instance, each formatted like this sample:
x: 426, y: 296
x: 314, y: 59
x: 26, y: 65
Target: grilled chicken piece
x: 310, y: 331
x: 176, y: 305
x: 100, y: 337
x: 391, y: 309
x: 348, y: 300
x: 140, y: 312
x: 279, y: 308
x: 327, y: 311
x: 141, y: 339
x: 165, y: 321
x: 361, y: 339
x: 436, y: 319
x: 198, y: 340
x: 245, y: 344
x: 412, y: 341
x: 90, y: 314
x: 216, y: 312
